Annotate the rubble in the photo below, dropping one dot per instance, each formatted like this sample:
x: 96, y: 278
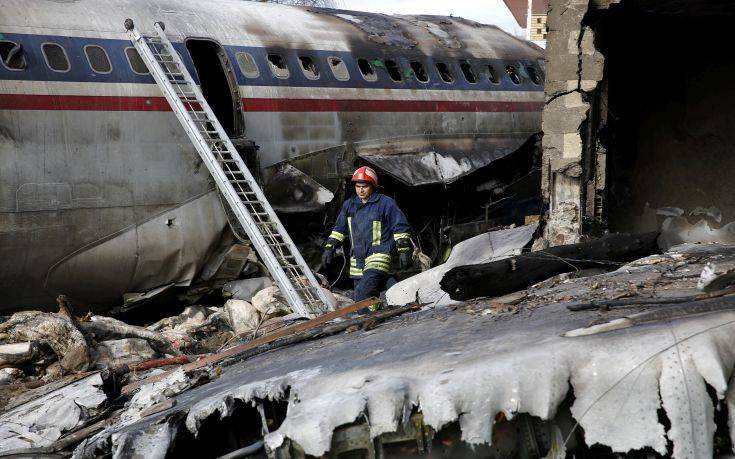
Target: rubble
x: 53, y: 330
x: 19, y: 353
x: 115, y: 353
x: 269, y: 302
x: 10, y: 375
x: 105, y: 328
x: 242, y: 316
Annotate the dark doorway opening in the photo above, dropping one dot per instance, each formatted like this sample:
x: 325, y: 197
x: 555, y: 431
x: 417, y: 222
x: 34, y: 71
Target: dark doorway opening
x: 218, y: 83
x: 669, y: 110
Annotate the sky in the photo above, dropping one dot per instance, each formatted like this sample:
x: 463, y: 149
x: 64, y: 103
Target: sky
x: 485, y: 11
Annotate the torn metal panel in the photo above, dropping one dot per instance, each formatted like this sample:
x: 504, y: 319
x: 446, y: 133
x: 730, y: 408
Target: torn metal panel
x: 495, y: 245
x: 42, y: 421
x: 380, y: 28
x: 438, y: 28
x: 424, y: 161
x: 152, y: 443
x: 290, y: 190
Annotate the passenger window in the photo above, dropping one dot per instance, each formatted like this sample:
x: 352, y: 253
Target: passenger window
x: 136, y: 62
x: 97, y: 58
x: 308, y: 66
x: 419, y: 71
x: 444, y: 72
x: 491, y: 75
x: 513, y: 74
x: 12, y: 55
x: 278, y: 66
x: 367, y: 70
x: 55, y: 57
x: 393, y: 70
x: 469, y: 74
x: 247, y: 65
x: 533, y: 75
x: 339, y: 69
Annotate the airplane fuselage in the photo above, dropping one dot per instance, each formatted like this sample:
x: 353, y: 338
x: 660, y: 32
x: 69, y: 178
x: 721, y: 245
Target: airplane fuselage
x: 101, y: 193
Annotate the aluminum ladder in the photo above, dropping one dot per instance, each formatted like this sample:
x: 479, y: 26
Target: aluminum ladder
x: 245, y: 198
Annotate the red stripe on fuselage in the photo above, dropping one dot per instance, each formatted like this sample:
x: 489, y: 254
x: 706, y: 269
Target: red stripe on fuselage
x: 134, y: 103
x: 87, y: 103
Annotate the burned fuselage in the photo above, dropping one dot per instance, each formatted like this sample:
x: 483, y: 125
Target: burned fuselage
x: 101, y: 192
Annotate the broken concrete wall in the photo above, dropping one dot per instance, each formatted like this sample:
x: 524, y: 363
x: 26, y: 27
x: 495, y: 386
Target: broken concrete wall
x: 574, y: 68
x: 634, y: 122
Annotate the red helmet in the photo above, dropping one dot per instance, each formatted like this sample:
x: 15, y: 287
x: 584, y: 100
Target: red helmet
x: 365, y: 174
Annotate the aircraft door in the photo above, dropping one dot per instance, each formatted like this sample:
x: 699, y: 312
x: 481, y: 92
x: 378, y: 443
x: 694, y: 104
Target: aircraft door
x: 218, y: 83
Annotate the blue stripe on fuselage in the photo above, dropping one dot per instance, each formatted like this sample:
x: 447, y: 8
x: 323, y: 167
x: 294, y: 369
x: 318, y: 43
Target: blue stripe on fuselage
x: 80, y: 70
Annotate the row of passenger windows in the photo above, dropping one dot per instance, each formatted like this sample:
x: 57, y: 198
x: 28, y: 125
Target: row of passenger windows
x: 416, y: 69
x: 13, y: 58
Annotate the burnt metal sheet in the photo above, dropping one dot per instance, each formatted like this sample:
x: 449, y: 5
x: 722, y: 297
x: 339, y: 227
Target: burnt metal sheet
x: 424, y: 162
x: 380, y: 28
x: 290, y: 190
x: 472, y: 362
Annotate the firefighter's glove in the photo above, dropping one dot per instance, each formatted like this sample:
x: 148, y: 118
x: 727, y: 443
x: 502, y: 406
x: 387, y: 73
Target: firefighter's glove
x: 329, y: 248
x: 405, y: 248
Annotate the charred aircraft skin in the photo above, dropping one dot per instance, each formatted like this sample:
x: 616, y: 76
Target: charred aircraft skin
x: 101, y: 192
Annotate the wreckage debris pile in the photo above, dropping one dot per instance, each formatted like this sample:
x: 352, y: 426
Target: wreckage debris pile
x: 542, y: 357
x: 56, y: 365
x: 44, y: 346
x: 152, y: 389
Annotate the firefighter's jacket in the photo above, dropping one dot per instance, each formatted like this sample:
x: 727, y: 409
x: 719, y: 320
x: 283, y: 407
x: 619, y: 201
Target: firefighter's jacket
x: 373, y: 228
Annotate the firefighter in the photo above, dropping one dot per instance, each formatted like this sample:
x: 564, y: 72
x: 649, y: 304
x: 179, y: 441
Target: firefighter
x: 376, y: 227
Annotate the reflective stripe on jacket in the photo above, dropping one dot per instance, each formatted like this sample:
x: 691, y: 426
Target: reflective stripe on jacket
x: 373, y: 228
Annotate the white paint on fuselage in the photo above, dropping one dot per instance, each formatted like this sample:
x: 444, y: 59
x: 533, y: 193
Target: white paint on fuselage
x: 75, y: 180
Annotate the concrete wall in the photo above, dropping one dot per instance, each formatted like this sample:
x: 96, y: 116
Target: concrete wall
x: 574, y: 68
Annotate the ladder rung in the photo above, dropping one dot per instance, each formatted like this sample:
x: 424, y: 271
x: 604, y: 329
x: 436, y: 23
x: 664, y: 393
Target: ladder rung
x: 290, y: 266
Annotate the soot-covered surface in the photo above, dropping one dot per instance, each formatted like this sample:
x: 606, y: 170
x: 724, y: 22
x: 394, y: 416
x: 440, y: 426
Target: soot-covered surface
x: 472, y: 361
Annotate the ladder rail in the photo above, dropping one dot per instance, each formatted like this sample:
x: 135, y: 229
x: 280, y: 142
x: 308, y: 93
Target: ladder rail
x: 274, y: 258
